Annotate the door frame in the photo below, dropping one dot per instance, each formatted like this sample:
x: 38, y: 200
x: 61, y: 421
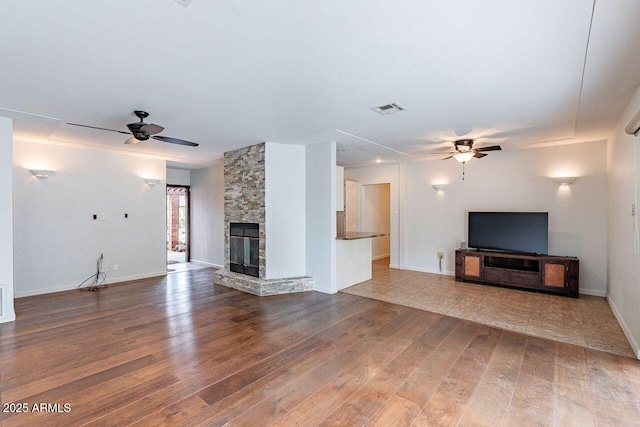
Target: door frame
x: 187, y: 219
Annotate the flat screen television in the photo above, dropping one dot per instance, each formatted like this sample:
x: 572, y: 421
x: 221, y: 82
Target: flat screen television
x: 526, y: 232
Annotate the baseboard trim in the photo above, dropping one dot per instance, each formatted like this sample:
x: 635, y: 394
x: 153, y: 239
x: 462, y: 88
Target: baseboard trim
x: 325, y: 290
x: 8, y: 319
x: 380, y: 257
x: 430, y: 270
x: 396, y: 266
x: 625, y: 328
x: 593, y: 292
x: 208, y: 264
x: 61, y: 288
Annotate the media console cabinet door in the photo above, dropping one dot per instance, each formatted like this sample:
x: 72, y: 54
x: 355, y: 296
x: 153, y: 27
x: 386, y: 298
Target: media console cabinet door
x: 472, y: 266
x: 554, y: 275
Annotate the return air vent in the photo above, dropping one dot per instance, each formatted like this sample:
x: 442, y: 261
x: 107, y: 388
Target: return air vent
x: 394, y: 107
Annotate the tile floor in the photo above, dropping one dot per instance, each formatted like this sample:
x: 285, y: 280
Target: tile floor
x: 587, y: 321
x: 185, y: 266
x: 177, y: 262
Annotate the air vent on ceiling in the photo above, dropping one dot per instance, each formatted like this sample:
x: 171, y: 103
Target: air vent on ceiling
x: 185, y: 3
x: 394, y: 107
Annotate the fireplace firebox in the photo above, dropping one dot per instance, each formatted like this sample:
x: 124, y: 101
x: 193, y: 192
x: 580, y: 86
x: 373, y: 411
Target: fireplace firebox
x: 244, y: 248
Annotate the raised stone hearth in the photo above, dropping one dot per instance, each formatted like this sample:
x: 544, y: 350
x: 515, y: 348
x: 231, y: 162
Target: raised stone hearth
x: 262, y: 287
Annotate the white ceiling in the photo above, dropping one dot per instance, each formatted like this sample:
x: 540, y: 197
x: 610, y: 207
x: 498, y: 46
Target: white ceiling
x: 229, y: 74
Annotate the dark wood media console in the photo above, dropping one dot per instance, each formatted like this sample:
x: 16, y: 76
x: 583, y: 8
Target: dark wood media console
x: 544, y: 273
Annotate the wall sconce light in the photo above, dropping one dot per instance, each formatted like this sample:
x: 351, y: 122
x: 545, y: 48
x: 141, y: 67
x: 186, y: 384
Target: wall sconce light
x: 151, y: 182
x: 41, y: 173
x: 564, y: 180
x: 439, y: 187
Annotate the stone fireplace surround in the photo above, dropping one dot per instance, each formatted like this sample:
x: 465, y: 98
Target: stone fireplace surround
x: 244, y: 202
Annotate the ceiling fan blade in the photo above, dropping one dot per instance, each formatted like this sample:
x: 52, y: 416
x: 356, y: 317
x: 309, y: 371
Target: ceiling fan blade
x: 447, y: 157
x: 479, y: 155
x: 492, y: 148
x: 95, y: 127
x: 440, y: 153
x: 174, y: 140
x: 132, y: 140
x: 151, y: 129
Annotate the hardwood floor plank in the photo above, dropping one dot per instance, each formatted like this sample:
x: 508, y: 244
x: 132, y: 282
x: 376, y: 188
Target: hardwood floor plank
x: 356, y: 355
x: 319, y: 405
x: 288, y: 397
x: 396, y: 412
x: 446, y: 405
x: 178, y: 350
x: 532, y: 402
x: 573, y: 404
x: 361, y: 406
x: 142, y: 405
x: 57, y: 394
x: 174, y: 414
x: 615, y: 401
x: 50, y: 378
x: 631, y: 368
x: 419, y: 387
x: 88, y: 405
x: 239, y: 380
x: 489, y: 405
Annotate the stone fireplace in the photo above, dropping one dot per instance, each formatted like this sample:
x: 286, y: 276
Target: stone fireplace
x: 245, y: 212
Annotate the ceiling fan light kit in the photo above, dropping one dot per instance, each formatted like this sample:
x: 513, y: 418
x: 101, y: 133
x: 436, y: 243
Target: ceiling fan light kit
x: 464, y: 152
x: 463, y: 157
x: 142, y: 131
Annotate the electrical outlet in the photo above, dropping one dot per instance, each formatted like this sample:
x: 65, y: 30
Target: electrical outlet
x: 440, y: 255
x: 115, y: 267
x: 105, y: 268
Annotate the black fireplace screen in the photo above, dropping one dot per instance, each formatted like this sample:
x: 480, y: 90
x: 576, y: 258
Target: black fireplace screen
x: 244, y: 248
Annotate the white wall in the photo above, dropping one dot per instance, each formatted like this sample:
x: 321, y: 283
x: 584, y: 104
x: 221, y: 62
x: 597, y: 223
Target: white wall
x: 352, y: 190
x: 178, y: 177
x: 56, y: 240
x: 382, y: 175
x: 321, y: 215
x: 376, y: 216
x: 6, y: 219
x: 207, y: 215
x: 623, y: 265
x: 513, y: 181
x: 285, y: 200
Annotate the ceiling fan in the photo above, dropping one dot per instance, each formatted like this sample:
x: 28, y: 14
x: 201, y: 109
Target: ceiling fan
x: 464, y: 151
x: 142, y: 131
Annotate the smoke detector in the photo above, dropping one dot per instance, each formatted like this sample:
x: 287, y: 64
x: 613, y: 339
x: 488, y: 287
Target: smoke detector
x: 185, y: 3
x: 394, y: 107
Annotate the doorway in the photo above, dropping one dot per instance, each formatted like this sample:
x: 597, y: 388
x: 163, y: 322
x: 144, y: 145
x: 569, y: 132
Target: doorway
x: 177, y: 225
x: 376, y: 217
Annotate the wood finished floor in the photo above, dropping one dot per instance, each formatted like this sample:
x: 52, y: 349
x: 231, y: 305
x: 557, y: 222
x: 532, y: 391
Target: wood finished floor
x: 587, y: 321
x: 179, y: 350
